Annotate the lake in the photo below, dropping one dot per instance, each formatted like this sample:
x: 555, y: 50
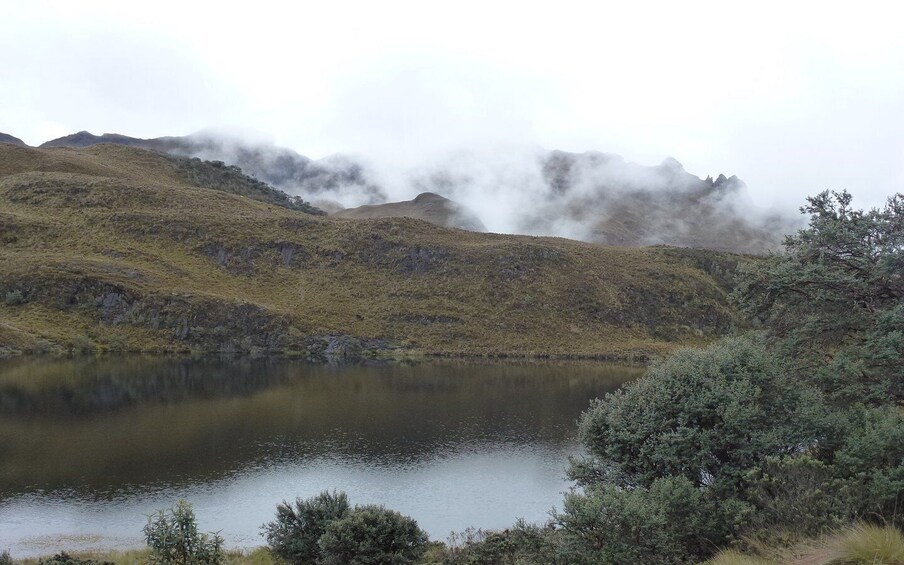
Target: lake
x: 89, y: 447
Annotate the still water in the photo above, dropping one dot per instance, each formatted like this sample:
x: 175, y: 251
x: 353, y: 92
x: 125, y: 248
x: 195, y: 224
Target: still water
x: 89, y: 447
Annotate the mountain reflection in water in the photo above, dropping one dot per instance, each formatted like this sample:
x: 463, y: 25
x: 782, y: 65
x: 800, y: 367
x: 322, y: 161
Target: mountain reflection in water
x: 89, y: 446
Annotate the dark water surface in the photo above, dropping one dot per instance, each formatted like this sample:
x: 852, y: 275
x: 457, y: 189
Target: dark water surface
x: 89, y: 447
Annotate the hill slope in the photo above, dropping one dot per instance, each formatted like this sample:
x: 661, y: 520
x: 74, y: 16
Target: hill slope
x: 428, y: 206
x: 7, y: 138
x: 114, y: 246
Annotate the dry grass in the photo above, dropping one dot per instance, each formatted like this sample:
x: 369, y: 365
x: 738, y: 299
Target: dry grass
x: 859, y: 544
x: 78, y: 226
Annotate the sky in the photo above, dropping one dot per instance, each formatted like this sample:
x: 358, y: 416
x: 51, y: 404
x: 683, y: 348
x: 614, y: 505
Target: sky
x: 793, y: 97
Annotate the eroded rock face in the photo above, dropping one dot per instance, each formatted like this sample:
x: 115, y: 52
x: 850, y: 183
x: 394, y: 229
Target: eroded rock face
x: 428, y: 206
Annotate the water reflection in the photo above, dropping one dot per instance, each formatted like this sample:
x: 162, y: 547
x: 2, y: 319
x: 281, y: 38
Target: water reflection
x: 88, y: 441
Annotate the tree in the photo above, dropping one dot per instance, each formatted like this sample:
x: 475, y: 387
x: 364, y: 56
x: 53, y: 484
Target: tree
x: 293, y: 536
x: 834, y: 300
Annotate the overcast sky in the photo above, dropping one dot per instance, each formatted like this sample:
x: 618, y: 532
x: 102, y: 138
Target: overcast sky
x: 793, y: 97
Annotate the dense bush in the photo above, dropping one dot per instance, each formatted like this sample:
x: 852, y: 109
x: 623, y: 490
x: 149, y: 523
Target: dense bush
x: 174, y: 539
x: 671, y: 521
x: 293, y: 536
x: 14, y: 298
x: 706, y: 415
x: 371, y: 535
x: 64, y: 558
x: 522, y: 544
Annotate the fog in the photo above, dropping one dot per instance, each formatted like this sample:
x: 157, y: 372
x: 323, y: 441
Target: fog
x: 793, y: 99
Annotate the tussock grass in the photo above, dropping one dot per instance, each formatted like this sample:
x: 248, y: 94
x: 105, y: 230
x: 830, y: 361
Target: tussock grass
x: 867, y: 544
x: 735, y: 557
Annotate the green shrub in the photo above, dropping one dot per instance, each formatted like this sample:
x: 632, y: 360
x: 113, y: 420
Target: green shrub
x: 64, y: 558
x: 522, y: 544
x: 5, y: 558
x: 799, y: 494
x: 174, y: 539
x: 670, y: 522
x: 372, y: 534
x: 14, y: 298
x: 293, y: 536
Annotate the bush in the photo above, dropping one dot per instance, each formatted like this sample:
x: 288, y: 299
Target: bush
x: 293, y: 536
x: 5, y: 558
x: 669, y: 522
x: 372, y: 534
x: 707, y: 415
x: 14, y: 298
x: 522, y: 544
x: 64, y: 558
x: 799, y: 494
x: 174, y: 538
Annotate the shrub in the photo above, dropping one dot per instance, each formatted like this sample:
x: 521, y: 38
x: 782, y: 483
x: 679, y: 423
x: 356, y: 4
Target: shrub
x: 669, y: 522
x: 174, y: 538
x: 14, y: 298
x: 64, y: 558
x: 5, y: 558
x: 522, y: 544
x: 293, y: 536
x: 372, y: 534
x: 708, y: 415
x: 799, y: 494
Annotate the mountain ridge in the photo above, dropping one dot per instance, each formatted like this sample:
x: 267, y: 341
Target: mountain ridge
x: 113, y: 248
x: 591, y: 196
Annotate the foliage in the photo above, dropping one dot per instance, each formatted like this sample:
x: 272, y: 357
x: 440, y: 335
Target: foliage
x: 14, y: 298
x: 293, y: 536
x: 5, y: 558
x: 799, y: 493
x: 671, y: 521
x: 64, y: 558
x: 522, y: 544
x: 706, y: 415
x: 372, y: 534
x: 833, y: 300
x: 871, y: 459
x: 174, y: 538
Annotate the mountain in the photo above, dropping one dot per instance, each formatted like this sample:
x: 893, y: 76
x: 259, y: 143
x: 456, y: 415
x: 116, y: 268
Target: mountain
x: 277, y: 166
x: 427, y: 206
x: 591, y: 196
x: 6, y: 138
x: 119, y: 248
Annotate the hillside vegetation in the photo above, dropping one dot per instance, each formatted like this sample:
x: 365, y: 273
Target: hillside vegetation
x: 125, y: 249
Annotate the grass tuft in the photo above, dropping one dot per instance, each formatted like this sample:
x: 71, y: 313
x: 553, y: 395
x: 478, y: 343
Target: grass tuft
x: 867, y: 544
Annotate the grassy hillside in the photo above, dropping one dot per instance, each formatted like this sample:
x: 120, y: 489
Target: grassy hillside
x: 427, y: 206
x: 116, y: 247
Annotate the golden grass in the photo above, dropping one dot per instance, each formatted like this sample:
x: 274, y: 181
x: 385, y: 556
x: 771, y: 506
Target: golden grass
x: 120, y: 219
x: 858, y: 544
x: 867, y: 544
